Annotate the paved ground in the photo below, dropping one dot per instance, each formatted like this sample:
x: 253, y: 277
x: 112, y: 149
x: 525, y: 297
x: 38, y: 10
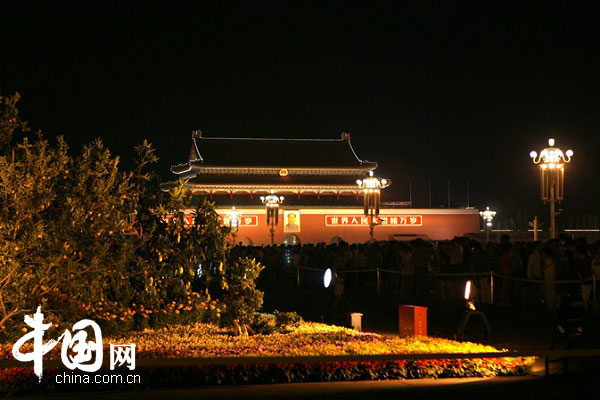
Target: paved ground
x: 563, y: 387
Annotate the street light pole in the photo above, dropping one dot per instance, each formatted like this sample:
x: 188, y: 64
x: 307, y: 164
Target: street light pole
x: 552, y: 213
x: 234, y: 222
x: 371, y: 188
x: 487, y: 215
x: 272, y: 202
x: 552, y: 177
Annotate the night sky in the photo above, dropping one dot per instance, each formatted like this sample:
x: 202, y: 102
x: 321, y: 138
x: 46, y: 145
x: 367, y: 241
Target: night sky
x: 431, y: 92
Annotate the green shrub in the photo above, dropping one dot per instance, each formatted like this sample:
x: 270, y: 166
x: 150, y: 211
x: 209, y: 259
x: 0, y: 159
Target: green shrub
x: 285, y: 320
x: 264, y: 324
x: 241, y: 297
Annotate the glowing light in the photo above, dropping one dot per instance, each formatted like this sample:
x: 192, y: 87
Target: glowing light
x: 487, y: 215
x: 468, y: 290
x: 234, y: 218
x: 372, y: 184
x: 470, y: 304
x: 271, y: 200
x: 551, y: 157
x: 371, y: 188
x: 327, y: 276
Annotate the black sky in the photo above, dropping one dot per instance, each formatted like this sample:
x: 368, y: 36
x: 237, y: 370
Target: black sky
x: 458, y: 92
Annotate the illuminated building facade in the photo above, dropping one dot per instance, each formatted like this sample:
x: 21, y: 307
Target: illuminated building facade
x: 320, y: 183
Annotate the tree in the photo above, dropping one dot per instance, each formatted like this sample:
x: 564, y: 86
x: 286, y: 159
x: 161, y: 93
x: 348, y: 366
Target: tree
x: 241, y: 296
x: 62, y: 222
x: 61, y: 226
x: 66, y: 241
x: 10, y: 123
x: 171, y: 249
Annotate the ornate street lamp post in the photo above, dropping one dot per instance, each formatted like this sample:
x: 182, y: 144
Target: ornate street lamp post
x: 371, y: 188
x: 552, y: 177
x: 272, y: 203
x: 234, y: 221
x: 487, y: 215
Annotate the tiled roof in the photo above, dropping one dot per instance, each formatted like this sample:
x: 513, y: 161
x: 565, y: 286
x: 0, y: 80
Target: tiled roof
x: 283, y: 153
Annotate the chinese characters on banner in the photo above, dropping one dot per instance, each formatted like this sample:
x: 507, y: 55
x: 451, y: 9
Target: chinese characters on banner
x: 245, y: 220
x: 188, y: 220
x: 362, y: 220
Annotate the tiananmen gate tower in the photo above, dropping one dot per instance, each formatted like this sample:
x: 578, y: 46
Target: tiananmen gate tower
x: 317, y: 179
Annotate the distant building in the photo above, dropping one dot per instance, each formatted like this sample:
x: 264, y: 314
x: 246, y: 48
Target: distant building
x: 317, y: 177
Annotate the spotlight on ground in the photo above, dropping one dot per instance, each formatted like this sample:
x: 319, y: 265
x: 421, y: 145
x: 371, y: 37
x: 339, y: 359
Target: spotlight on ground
x: 470, y: 304
x: 327, y: 278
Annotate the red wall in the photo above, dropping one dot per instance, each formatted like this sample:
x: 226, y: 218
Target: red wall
x: 438, y: 224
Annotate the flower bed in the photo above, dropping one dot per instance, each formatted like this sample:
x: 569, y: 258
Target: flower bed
x: 308, y: 339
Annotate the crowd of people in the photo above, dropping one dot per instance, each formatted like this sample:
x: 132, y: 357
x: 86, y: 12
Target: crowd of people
x: 536, y: 274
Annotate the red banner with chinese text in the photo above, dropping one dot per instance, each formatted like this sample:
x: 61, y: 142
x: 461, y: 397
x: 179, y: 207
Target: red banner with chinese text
x: 245, y: 220
x: 362, y: 220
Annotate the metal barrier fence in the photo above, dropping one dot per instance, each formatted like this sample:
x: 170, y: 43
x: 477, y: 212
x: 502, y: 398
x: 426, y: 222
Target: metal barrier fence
x: 490, y: 277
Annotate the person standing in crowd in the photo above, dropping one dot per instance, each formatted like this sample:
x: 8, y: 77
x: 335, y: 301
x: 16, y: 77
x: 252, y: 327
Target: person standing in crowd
x: 375, y: 261
x: 596, y: 262
x: 519, y: 287
x: 563, y: 270
x: 338, y: 291
x: 549, y: 277
x: 506, y: 269
x: 481, y: 265
x: 420, y: 260
x: 535, y: 274
x: 596, y: 270
x: 404, y: 253
x: 582, y: 266
x: 443, y: 266
x: 455, y: 254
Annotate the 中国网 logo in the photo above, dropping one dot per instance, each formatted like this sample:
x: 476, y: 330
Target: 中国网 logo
x: 76, y: 351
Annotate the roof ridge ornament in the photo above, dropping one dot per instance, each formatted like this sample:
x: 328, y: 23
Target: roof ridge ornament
x: 194, y: 152
x: 346, y: 138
